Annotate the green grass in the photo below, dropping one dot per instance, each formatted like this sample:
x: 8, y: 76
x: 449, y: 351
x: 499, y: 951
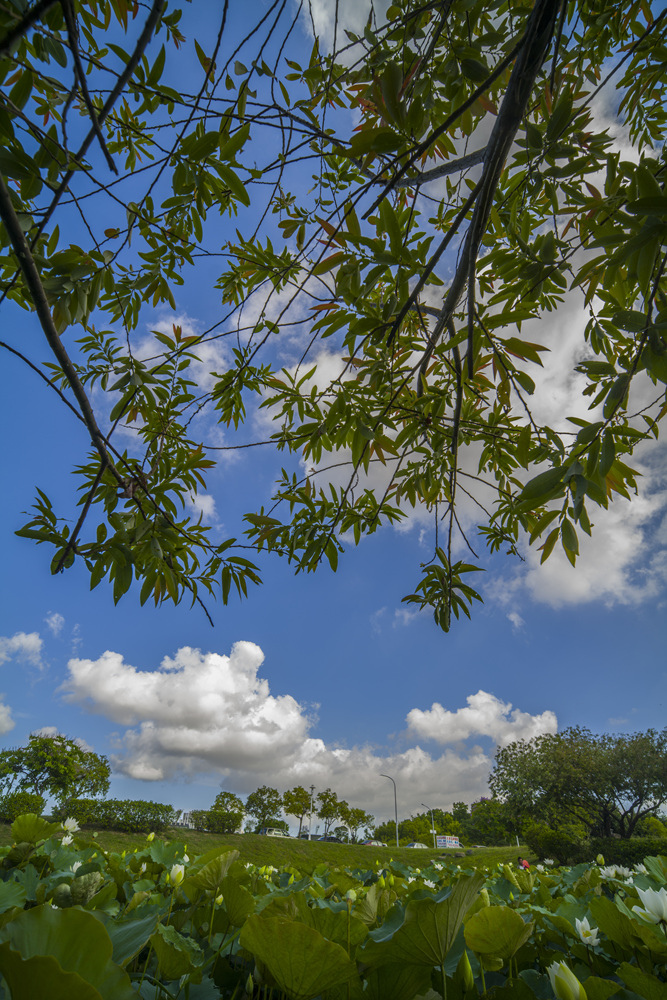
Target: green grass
x: 302, y: 854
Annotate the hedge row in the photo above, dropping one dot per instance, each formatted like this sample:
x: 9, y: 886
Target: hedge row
x: 128, y: 815
x: 18, y: 803
x: 567, y: 848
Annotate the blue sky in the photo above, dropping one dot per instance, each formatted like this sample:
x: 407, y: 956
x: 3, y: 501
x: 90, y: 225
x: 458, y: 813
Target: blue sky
x: 325, y: 679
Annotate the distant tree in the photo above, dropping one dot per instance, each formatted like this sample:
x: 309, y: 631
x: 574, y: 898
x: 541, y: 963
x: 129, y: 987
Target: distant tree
x: 491, y: 822
x: 342, y: 833
x: 460, y: 812
x: 296, y: 802
x: 265, y: 805
x: 329, y: 808
x: 354, y: 819
x: 608, y: 782
x: 57, y: 766
x: 226, y: 814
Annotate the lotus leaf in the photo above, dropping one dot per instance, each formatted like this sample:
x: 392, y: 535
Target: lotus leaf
x: 30, y: 828
x: 600, y: 989
x: 397, y: 982
x: 628, y: 932
x: 300, y: 960
x: 497, y: 931
x: 53, y: 938
x: 11, y: 894
x: 176, y: 955
x: 428, y: 930
x: 239, y: 902
x: 643, y: 983
x: 210, y: 876
x: 128, y: 937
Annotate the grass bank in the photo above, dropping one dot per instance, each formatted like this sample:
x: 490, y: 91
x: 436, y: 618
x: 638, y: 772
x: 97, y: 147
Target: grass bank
x: 302, y: 854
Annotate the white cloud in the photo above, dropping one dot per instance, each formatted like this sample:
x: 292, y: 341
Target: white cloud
x: 6, y: 721
x: 203, y: 505
x: 485, y: 715
x: 54, y: 622
x: 516, y: 620
x: 205, y: 713
x: 26, y: 646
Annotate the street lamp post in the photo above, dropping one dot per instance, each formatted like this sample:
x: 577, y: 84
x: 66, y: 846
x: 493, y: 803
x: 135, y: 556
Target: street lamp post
x: 395, y: 802
x: 310, y: 817
x: 432, y: 823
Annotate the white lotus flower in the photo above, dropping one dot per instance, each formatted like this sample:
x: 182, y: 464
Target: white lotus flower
x: 549, y: 861
x: 67, y: 840
x: 655, y: 905
x: 615, y: 871
x: 588, y: 934
x: 70, y: 825
x: 641, y: 869
x: 429, y: 884
x: 177, y: 874
x: 75, y: 867
x: 564, y: 983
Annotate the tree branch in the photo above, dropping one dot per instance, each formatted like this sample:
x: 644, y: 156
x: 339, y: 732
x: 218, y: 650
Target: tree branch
x: 23, y: 25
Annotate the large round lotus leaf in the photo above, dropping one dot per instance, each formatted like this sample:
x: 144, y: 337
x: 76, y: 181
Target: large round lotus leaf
x: 176, y: 955
x: 41, y: 976
x: 11, y: 894
x: 645, y: 984
x: 497, y: 931
x: 239, y: 903
x: 398, y: 982
x: 300, y: 960
x: 210, y: 875
x: 428, y: 930
x: 337, y: 926
x: 29, y: 828
x: 128, y: 936
x: 77, y: 942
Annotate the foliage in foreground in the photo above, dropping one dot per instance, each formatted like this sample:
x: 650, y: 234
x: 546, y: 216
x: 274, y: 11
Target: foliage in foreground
x: 78, y: 921
x: 423, y: 191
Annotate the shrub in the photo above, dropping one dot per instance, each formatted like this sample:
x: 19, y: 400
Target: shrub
x: 625, y: 852
x: 565, y: 843
x: 216, y: 820
x: 128, y: 815
x: 14, y: 805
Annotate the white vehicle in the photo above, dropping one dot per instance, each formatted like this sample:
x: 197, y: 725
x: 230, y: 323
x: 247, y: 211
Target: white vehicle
x: 273, y: 831
x: 416, y: 843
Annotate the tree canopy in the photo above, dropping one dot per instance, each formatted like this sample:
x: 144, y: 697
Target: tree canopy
x: 56, y: 766
x: 382, y: 219
x: 607, y: 782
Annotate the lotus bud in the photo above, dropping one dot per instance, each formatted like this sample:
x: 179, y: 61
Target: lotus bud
x: 484, y: 896
x: 177, y: 874
x: 600, y: 859
x: 465, y: 972
x: 564, y: 983
x: 350, y: 895
x: 381, y: 882
x: 150, y: 837
x: 218, y: 900
x: 390, y: 879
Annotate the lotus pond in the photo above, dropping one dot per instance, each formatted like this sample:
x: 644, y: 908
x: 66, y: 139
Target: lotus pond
x: 78, y: 922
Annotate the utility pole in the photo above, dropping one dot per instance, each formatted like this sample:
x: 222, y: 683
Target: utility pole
x: 310, y: 818
x: 432, y: 823
x: 395, y: 802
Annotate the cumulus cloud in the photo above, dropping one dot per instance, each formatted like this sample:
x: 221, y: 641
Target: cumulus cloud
x: 54, y: 622
x: 485, y: 715
x: 516, y: 620
x: 25, y: 646
x: 206, y: 713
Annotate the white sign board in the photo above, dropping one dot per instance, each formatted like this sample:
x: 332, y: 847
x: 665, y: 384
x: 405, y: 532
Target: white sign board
x: 447, y: 841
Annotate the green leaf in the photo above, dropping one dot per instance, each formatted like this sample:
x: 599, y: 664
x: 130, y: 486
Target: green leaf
x: 642, y: 983
x: 176, y: 955
x: 31, y: 828
x: 497, y: 931
x: 42, y: 953
x: 428, y: 929
x: 654, y: 205
x: 239, y: 902
x: 542, y: 485
x: 569, y: 536
x: 300, y: 960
